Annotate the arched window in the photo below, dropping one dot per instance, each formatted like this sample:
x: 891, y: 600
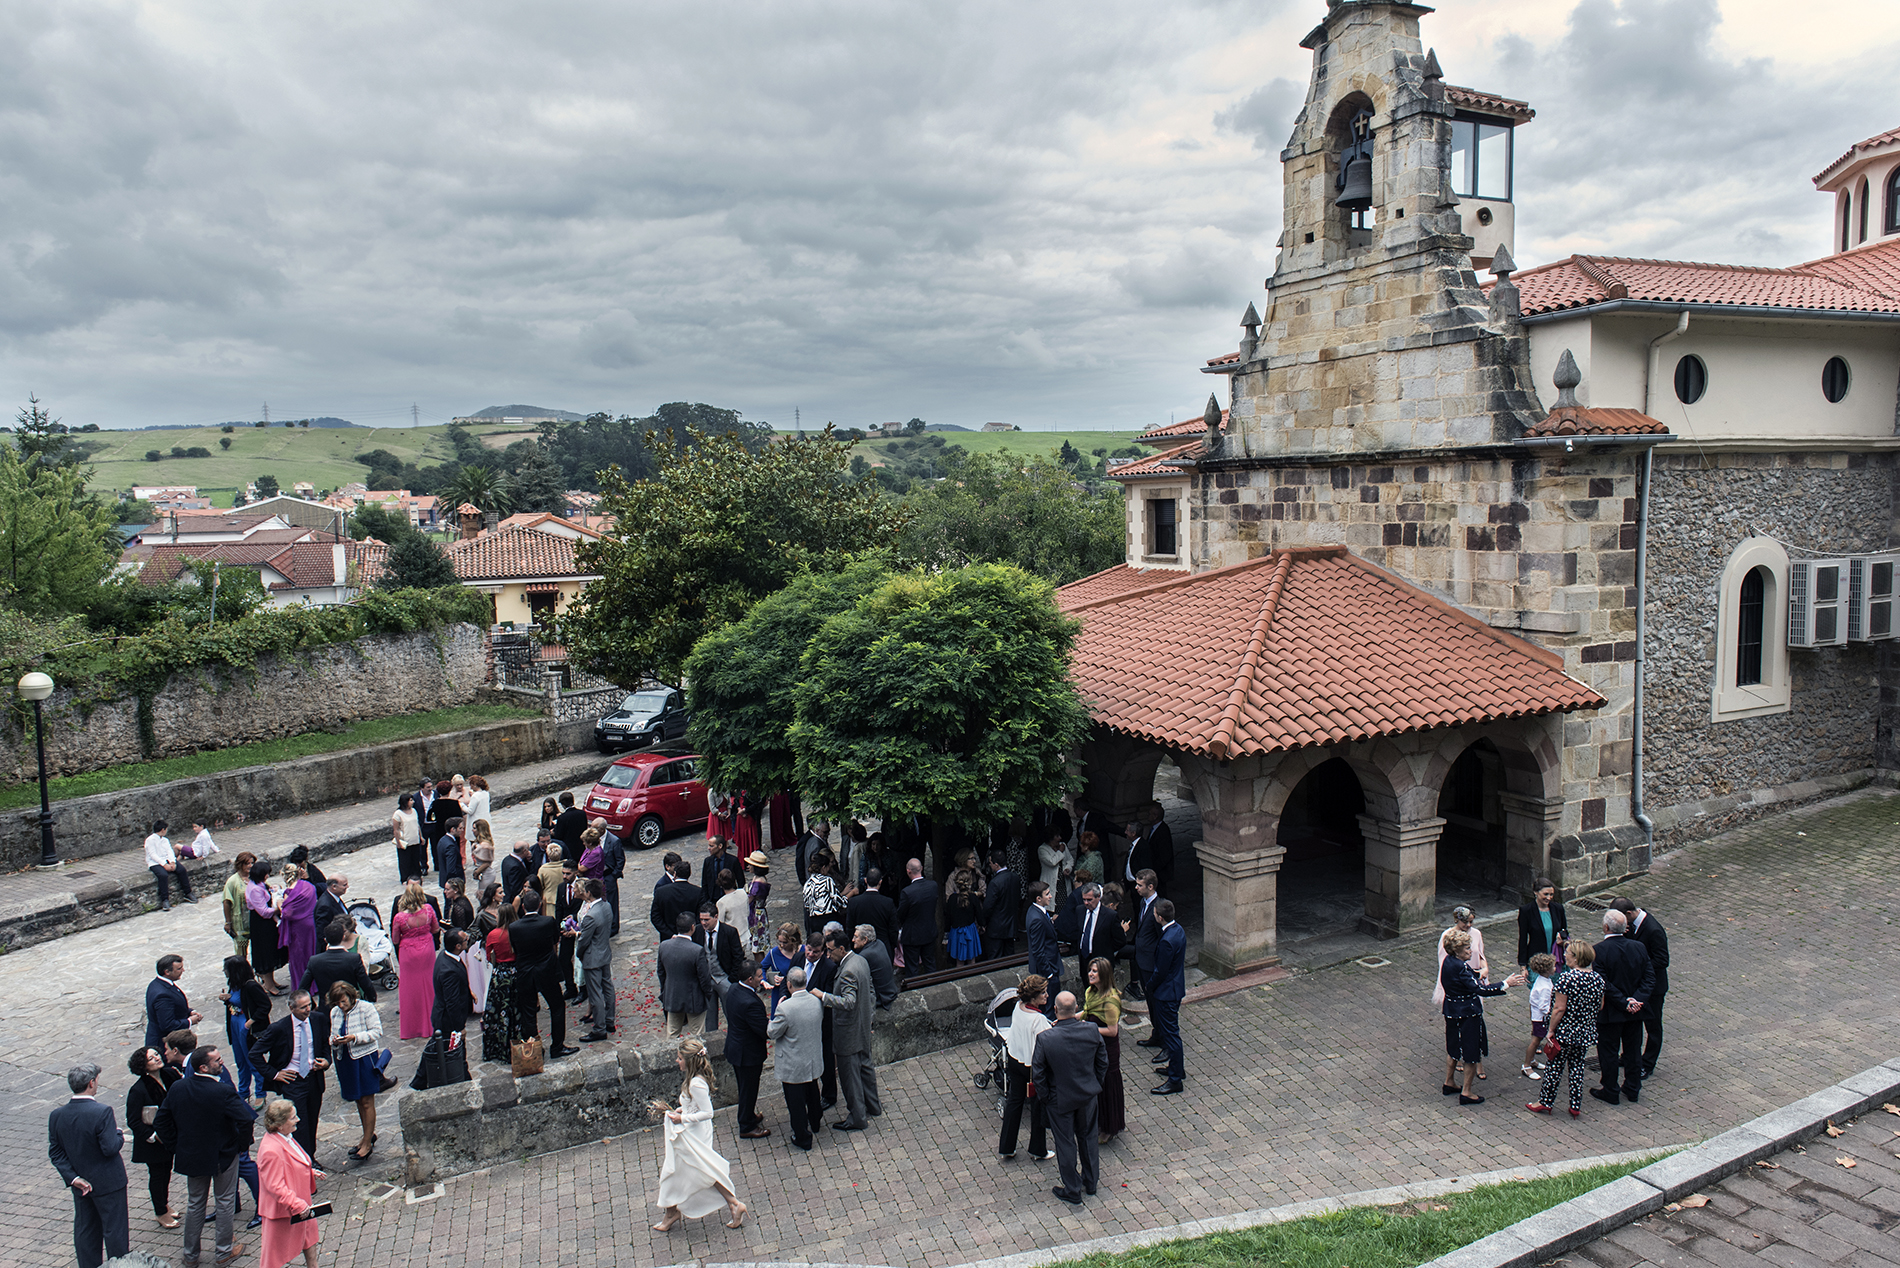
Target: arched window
x: 1893, y: 201
x: 1863, y: 209
x: 1847, y: 217
x: 1748, y: 628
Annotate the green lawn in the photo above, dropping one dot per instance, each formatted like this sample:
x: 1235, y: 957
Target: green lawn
x: 1372, y: 1236
x: 211, y: 761
x: 1047, y: 443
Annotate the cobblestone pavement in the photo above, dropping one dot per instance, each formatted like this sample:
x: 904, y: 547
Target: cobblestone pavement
x: 1784, y: 980
x: 1804, y: 1210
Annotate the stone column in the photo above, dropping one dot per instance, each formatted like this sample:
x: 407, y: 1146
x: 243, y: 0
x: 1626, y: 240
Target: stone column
x: 1240, y: 888
x: 1529, y: 824
x: 1401, y: 874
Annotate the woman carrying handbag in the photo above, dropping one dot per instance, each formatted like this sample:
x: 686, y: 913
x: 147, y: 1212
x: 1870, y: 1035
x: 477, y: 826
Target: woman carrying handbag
x: 359, y: 1058
x: 287, y: 1181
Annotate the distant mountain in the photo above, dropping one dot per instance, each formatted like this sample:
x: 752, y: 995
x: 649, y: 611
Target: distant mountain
x: 498, y: 412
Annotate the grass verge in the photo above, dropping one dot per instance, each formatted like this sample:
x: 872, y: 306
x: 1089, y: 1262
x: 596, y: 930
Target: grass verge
x: 405, y: 726
x: 1371, y: 1236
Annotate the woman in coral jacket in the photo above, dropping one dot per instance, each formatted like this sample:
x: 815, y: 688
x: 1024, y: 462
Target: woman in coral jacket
x: 287, y: 1180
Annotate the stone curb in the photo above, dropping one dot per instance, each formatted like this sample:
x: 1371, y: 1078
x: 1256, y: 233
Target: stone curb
x: 106, y: 900
x: 1548, y: 1234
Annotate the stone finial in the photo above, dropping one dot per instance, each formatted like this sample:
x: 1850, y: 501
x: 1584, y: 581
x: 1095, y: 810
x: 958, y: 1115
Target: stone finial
x: 1250, y: 341
x: 1502, y: 265
x: 1431, y: 66
x: 1250, y: 319
x: 1211, y: 415
x: 1567, y: 378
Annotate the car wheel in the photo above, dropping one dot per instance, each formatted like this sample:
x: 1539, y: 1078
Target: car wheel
x: 648, y: 831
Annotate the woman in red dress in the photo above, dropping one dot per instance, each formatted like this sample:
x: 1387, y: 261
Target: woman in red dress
x: 286, y: 1181
x: 414, y: 933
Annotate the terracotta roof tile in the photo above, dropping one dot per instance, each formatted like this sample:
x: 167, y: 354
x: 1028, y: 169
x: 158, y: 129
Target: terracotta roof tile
x: 1167, y: 462
x: 512, y: 554
x: 369, y: 558
x: 1187, y: 427
x: 1579, y: 281
x: 1572, y: 420
x: 1297, y: 648
x: 1858, y: 148
x: 1226, y: 358
x: 1113, y: 581
x: 1874, y: 267
x: 1489, y: 103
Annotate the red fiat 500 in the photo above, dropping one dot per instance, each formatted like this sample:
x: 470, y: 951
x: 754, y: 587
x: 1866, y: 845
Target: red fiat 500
x: 644, y: 796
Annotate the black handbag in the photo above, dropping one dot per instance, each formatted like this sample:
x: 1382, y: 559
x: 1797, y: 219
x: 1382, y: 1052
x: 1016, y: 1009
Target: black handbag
x: 444, y: 1062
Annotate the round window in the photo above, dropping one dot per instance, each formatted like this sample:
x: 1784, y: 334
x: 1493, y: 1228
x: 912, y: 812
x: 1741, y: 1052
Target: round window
x: 1834, y: 380
x: 1692, y: 379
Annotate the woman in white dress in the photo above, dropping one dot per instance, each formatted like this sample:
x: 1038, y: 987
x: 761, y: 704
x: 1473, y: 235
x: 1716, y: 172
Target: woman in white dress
x: 694, y: 1180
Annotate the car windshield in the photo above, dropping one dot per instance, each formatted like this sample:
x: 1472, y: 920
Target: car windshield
x: 644, y: 703
x: 620, y: 777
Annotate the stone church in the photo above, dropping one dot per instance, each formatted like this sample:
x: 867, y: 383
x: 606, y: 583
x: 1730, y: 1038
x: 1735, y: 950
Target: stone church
x: 1475, y: 581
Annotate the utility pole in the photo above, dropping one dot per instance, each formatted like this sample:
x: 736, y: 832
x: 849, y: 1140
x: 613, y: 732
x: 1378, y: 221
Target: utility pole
x: 267, y: 413
x: 415, y: 415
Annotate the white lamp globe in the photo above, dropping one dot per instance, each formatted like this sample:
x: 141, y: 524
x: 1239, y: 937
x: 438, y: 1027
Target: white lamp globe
x: 36, y: 686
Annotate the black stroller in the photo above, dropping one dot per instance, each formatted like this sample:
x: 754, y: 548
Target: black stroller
x: 994, y: 1073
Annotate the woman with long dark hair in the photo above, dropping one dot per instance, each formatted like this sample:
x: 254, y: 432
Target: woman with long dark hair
x: 266, y: 955
x: 1102, y: 1004
x: 501, y: 1022
x: 151, y: 1079
x: 405, y: 831
x: 246, y: 1014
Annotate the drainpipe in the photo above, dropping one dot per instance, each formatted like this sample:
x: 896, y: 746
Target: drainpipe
x: 1643, y: 821
x: 1655, y: 360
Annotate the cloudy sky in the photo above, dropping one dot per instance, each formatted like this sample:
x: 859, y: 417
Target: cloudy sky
x: 863, y: 209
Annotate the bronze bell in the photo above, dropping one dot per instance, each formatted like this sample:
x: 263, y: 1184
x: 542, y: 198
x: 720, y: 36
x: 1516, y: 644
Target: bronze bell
x: 1355, y: 193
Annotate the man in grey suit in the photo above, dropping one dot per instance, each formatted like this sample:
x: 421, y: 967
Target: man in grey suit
x: 854, y: 1002
x: 1070, y: 1063
x: 84, y: 1142
x: 596, y: 947
x: 685, y: 979
x: 799, y: 1057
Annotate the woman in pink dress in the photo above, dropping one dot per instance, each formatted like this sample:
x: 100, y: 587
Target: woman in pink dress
x: 414, y: 933
x: 286, y: 1181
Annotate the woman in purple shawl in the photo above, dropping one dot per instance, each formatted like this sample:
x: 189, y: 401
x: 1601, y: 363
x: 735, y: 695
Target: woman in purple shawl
x: 296, y: 923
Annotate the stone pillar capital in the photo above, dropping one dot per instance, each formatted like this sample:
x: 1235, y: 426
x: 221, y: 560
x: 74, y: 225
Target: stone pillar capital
x: 1242, y: 865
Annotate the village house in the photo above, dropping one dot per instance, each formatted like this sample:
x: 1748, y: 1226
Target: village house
x: 1475, y: 583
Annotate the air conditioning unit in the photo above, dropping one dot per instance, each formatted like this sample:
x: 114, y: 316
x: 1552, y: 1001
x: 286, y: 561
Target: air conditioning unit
x: 1870, y: 597
x: 1817, y: 602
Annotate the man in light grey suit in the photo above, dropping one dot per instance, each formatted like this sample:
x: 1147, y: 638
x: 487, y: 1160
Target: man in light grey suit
x: 854, y: 1001
x: 798, y: 1056
x: 685, y: 979
x: 596, y: 947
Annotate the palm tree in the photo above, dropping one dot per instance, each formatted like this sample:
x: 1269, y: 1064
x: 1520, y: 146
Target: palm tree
x: 483, y: 488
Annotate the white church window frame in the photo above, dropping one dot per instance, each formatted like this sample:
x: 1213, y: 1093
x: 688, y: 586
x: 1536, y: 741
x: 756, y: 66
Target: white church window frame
x: 1773, y: 694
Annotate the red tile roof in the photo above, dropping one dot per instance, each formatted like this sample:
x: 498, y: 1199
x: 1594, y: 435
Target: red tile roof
x: 1489, y: 103
x: 1114, y: 581
x: 1581, y: 280
x: 1168, y: 462
x: 1226, y: 358
x: 514, y: 554
x: 1187, y: 427
x: 1572, y: 420
x: 1297, y: 648
x: 1874, y: 267
x: 1858, y: 148
x: 369, y: 558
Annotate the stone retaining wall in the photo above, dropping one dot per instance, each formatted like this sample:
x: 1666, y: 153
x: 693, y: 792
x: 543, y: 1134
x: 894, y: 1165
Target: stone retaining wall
x: 605, y: 1091
x: 323, y: 689
x: 85, y: 827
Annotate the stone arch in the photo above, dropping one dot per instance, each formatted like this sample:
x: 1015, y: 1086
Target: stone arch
x: 1375, y: 776
x: 1525, y: 803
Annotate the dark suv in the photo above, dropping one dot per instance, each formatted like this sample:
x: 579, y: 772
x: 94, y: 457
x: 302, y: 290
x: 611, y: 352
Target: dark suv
x: 652, y: 715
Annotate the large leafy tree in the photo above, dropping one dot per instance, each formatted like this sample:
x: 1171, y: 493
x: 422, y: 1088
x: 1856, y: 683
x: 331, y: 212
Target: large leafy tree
x: 741, y: 676
x: 56, y: 543
x: 996, y: 507
x: 944, y: 695
x: 718, y: 527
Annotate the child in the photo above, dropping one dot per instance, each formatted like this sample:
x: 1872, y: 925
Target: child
x: 1543, y: 968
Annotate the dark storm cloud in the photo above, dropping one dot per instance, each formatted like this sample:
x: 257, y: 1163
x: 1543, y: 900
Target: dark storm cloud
x: 964, y: 212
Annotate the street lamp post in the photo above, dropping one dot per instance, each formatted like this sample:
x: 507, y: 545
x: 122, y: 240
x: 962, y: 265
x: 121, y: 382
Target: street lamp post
x: 36, y: 687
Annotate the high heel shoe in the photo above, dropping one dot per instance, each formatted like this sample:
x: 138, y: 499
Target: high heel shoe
x: 668, y: 1224
x: 1576, y: 1113
x: 1537, y: 1108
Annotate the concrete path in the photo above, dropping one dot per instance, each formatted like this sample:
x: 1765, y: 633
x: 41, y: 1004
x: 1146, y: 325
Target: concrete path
x: 1785, y: 978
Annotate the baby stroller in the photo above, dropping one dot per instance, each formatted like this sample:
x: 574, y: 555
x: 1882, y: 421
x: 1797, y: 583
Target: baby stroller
x: 372, y: 942
x: 995, y: 1071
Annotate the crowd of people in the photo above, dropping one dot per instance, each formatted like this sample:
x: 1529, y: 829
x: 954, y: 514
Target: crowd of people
x: 1610, y: 994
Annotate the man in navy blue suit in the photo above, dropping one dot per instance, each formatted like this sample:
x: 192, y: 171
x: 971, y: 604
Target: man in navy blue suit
x: 166, y: 1008
x: 1167, y: 986
x: 1628, y: 980
x: 1044, y: 955
x: 84, y: 1142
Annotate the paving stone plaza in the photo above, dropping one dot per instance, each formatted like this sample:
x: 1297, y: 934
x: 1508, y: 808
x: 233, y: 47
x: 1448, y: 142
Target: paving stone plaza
x: 1783, y: 980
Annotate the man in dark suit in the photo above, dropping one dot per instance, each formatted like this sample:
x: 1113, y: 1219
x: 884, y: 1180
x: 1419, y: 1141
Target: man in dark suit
x: 613, y: 866
x: 208, y: 1127
x: 681, y: 895
x: 1167, y: 987
x: 745, y: 1044
x: 726, y: 956
x: 293, y: 1052
x: 1628, y: 979
x: 166, y: 1008
x: 516, y: 868
x: 686, y: 985
x: 568, y: 826
x: 568, y: 901
x: 1151, y: 846
x: 1146, y: 936
x: 1098, y: 933
x: 917, y: 921
x: 1071, y: 1060
x: 821, y: 973
x: 668, y: 862
x: 1002, y: 910
x: 1045, y: 956
x: 333, y: 964
x: 717, y: 861
x: 330, y: 902
x: 453, y: 1001
x: 1646, y: 929
x: 874, y: 909
x: 85, y: 1145
x: 817, y: 835
x: 865, y: 942
x: 536, y: 938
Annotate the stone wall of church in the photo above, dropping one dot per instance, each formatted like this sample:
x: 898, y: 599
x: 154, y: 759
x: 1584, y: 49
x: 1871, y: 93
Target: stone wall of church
x: 1697, y: 772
